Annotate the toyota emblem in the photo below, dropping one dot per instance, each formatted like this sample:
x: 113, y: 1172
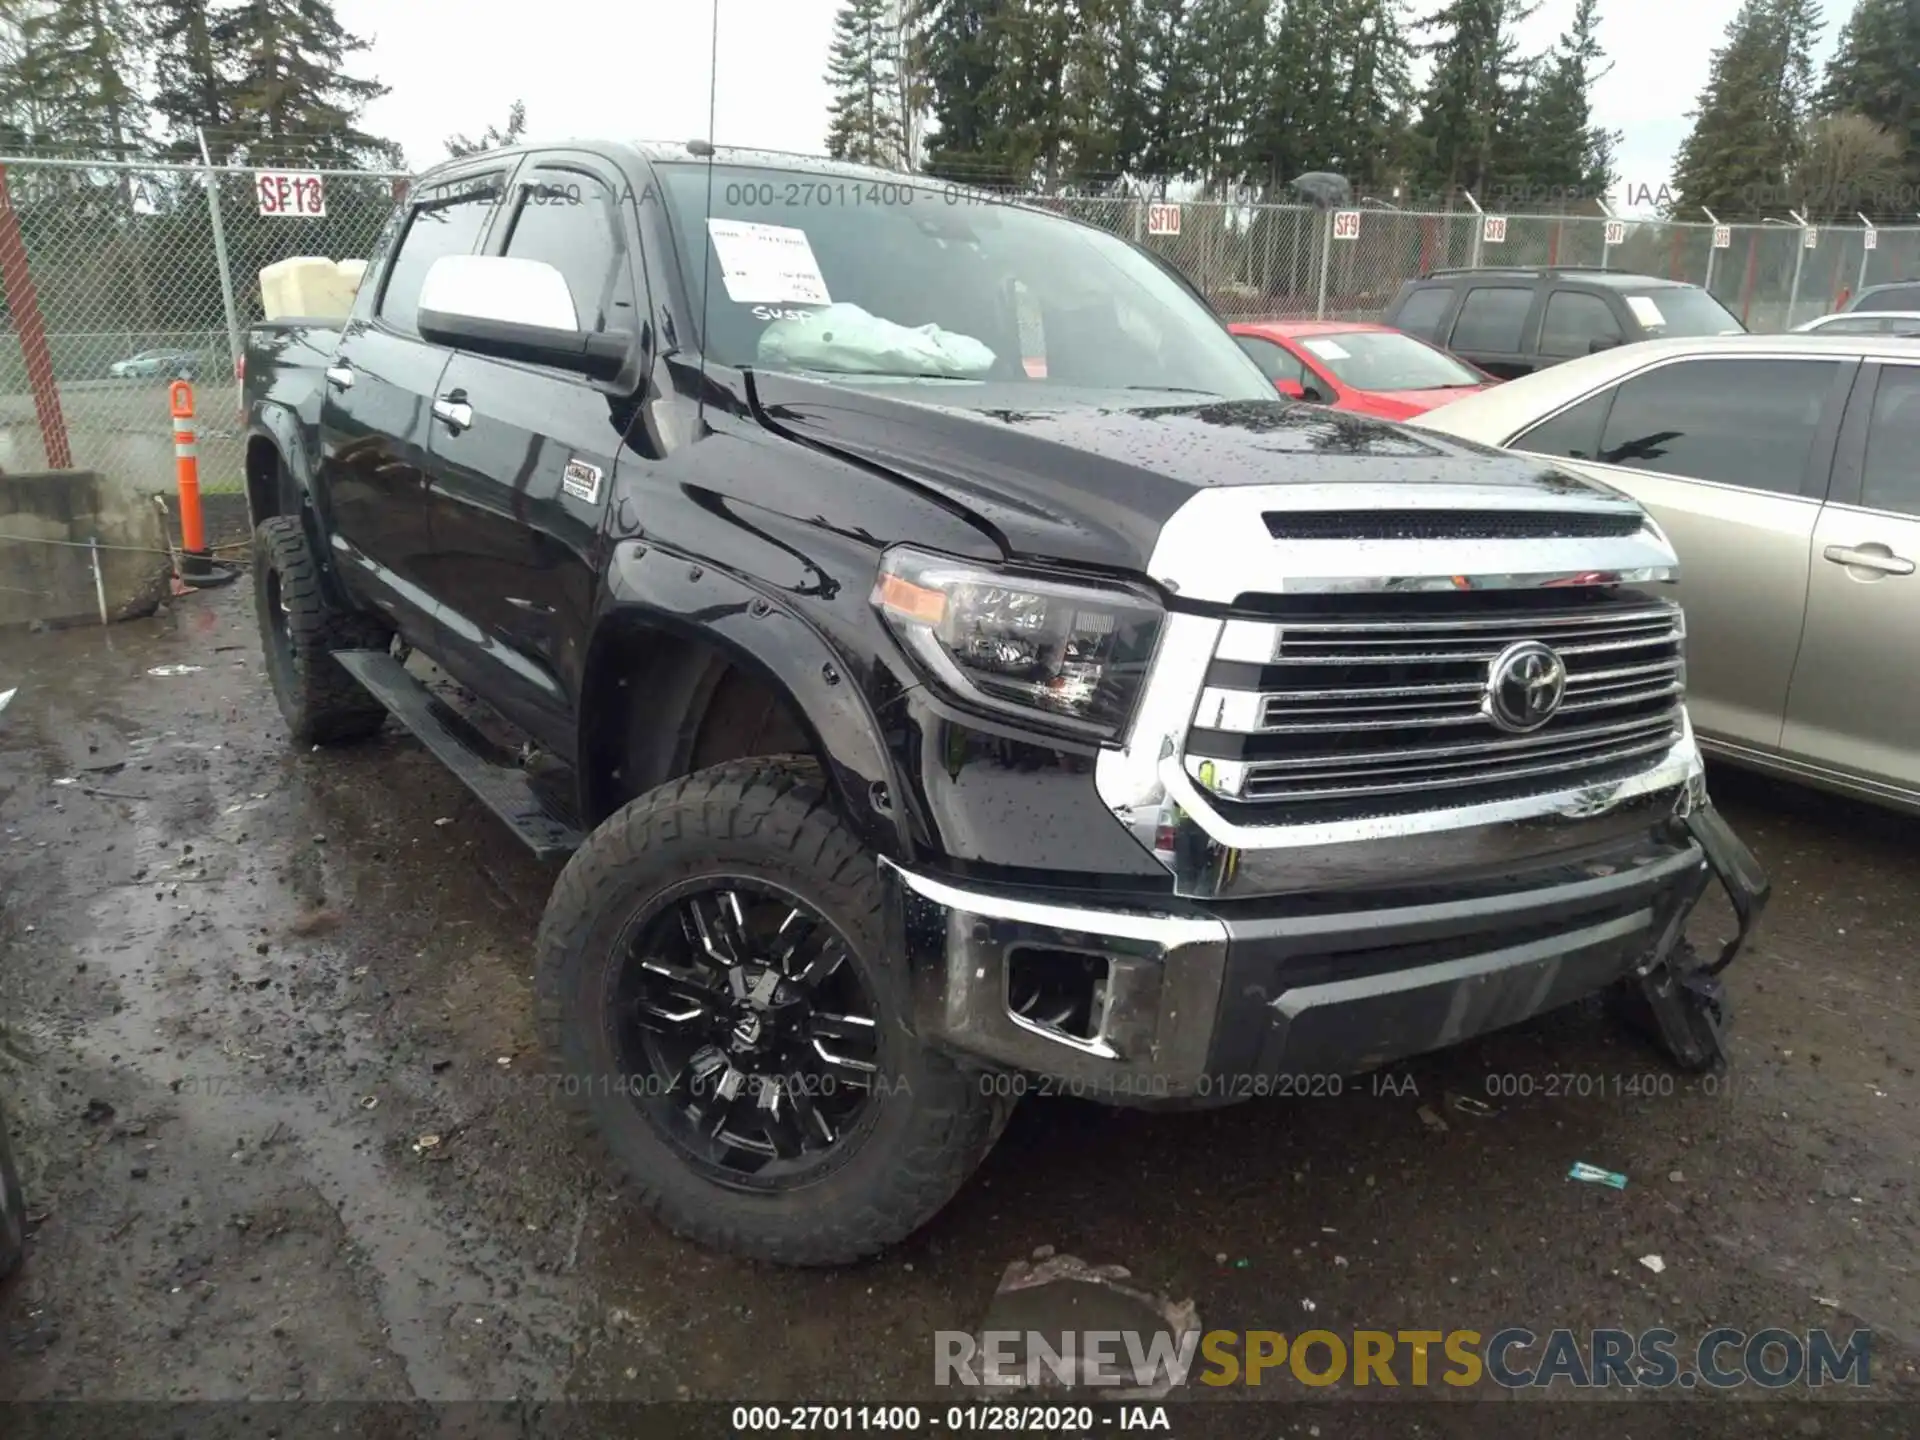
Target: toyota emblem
x: 1525, y: 685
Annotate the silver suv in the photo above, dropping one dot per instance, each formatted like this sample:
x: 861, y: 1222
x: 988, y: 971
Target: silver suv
x: 1786, y: 471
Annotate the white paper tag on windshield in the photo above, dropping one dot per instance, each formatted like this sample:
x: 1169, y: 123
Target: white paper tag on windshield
x: 1327, y: 349
x: 767, y: 264
x: 1645, y: 311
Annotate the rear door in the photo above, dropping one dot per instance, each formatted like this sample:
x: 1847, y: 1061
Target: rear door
x: 1732, y: 458
x: 1574, y: 321
x: 520, y: 488
x: 1855, y: 704
x: 375, y: 411
x: 1494, y: 327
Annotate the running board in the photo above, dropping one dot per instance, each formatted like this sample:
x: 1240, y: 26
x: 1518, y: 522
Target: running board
x: 505, y: 789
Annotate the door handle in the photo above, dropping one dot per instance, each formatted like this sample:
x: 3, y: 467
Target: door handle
x: 340, y: 376
x: 1870, y: 557
x: 457, y: 414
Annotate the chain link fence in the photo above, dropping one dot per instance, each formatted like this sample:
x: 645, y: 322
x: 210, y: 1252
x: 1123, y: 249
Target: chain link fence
x: 1293, y: 262
x: 143, y: 274
x: 146, y: 272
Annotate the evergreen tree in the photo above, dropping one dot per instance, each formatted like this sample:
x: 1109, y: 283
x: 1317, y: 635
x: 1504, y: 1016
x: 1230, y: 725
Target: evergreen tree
x: 495, y: 138
x: 1300, y: 107
x: 1169, y: 88
x: 1229, y: 58
x: 1467, y: 112
x: 1567, y: 153
x: 963, y: 57
x: 283, y: 63
x: 861, y: 68
x: 1876, y: 73
x: 1752, y: 119
x: 1376, y: 94
x: 189, y: 91
x: 71, y: 77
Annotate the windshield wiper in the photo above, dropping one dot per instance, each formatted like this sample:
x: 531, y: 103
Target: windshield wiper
x: 1175, y: 390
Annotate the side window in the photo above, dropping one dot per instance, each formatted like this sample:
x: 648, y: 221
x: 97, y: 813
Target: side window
x: 1749, y: 423
x: 1573, y: 434
x: 1891, y: 480
x: 571, y: 220
x: 1423, y: 312
x: 1574, y: 321
x: 1895, y: 297
x: 438, y: 225
x: 1491, y: 319
x: 1276, y: 362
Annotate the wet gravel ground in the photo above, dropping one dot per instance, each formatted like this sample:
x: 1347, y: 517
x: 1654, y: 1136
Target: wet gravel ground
x: 269, y: 1065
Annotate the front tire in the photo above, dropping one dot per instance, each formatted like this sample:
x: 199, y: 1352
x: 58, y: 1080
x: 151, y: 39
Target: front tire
x: 300, y: 629
x: 723, y: 1018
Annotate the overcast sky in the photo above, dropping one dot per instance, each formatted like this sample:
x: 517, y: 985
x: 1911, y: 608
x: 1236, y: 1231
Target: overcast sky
x: 621, y: 69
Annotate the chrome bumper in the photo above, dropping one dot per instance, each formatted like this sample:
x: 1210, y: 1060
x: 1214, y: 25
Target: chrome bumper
x: 1193, y: 1004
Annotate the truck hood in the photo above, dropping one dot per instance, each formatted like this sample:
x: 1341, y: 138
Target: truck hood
x: 1092, y: 482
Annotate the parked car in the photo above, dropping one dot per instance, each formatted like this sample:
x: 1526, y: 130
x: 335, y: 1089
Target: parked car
x: 1868, y: 322
x: 921, y: 724
x: 1783, y: 467
x: 1890, y: 295
x: 1350, y: 365
x: 173, y: 364
x: 1512, y: 322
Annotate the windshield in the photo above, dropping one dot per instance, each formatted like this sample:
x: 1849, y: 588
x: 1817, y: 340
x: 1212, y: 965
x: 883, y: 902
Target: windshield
x: 1682, y: 310
x: 1386, y: 360
x: 890, y: 282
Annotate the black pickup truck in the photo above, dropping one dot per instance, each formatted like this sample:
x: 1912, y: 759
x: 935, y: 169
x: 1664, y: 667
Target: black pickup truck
x: 958, y: 667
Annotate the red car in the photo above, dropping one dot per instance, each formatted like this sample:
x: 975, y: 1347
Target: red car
x: 1351, y: 365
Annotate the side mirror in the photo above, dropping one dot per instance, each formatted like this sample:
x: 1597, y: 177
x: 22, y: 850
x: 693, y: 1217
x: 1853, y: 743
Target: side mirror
x: 514, y: 309
x: 1602, y: 342
x: 1292, y: 389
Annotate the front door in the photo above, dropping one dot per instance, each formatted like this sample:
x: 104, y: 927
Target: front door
x: 1732, y: 458
x: 1855, y: 705
x: 523, y: 461
x: 376, y: 407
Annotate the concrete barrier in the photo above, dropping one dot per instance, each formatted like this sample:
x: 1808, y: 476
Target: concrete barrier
x: 47, y: 520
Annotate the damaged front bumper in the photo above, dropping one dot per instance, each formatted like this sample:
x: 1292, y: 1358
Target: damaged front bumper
x: 1198, y: 1003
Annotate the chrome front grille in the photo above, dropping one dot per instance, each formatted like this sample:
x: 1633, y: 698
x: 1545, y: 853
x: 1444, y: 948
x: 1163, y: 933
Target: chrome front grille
x: 1330, y: 712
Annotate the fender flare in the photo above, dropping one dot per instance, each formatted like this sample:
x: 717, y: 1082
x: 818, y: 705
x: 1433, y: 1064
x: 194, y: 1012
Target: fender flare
x: 777, y: 644
x: 279, y: 428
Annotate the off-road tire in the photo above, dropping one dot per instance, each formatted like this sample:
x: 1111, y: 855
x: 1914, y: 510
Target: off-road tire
x: 322, y: 703
x: 768, y: 819
x: 13, y: 1208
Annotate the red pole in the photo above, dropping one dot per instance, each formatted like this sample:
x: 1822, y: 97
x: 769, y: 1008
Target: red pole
x: 1553, y: 244
x: 16, y: 281
x: 1673, y: 255
x: 1753, y: 272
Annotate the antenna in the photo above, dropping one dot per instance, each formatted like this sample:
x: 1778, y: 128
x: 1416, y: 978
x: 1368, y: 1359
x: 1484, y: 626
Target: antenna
x: 705, y: 147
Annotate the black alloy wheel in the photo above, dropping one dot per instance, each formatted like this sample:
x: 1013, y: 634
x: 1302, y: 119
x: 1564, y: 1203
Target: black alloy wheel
x: 745, y: 1037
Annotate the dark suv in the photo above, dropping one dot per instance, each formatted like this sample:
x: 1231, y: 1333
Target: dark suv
x: 1894, y: 295
x: 1511, y: 322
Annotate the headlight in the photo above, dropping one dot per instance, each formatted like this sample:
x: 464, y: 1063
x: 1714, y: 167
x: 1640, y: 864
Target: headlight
x: 1076, y: 654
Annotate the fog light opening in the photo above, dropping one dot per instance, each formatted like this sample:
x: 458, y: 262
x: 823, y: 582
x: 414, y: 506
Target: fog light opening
x: 1064, y: 991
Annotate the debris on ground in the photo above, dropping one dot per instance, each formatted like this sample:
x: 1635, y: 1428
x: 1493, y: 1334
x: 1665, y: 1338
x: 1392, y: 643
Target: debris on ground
x: 6, y: 697
x: 1060, y: 1299
x: 168, y: 671
x: 1594, y: 1175
x: 1467, y: 1105
x: 1653, y: 1263
x: 1431, y: 1119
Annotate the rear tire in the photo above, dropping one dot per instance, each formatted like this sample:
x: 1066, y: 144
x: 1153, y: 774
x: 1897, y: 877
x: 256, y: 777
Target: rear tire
x: 646, y: 1070
x: 300, y: 629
